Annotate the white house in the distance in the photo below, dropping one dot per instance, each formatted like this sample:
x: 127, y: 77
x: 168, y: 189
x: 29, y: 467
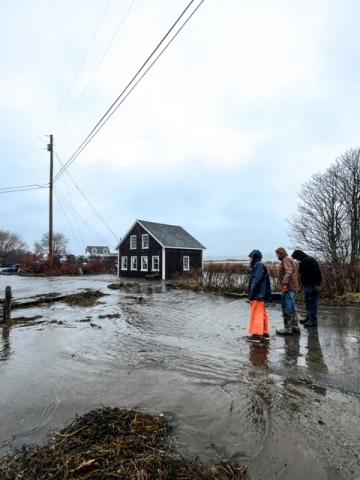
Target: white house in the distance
x: 97, y: 250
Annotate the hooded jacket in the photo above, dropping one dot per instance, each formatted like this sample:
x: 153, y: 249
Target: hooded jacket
x: 309, y: 269
x: 259, y: 283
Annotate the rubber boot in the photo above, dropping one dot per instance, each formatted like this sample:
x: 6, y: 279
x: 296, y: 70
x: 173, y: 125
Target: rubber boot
x: 287, y: 330
x: 295, y: 323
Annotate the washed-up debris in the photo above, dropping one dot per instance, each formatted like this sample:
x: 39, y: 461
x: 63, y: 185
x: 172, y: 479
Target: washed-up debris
x: 95, y: 325
x: 122, y: 285
x: 88, y: 298
x: 25, y: 319
x: 113, y: 443
x: 110, y: 315
x: 84, y: 299
x: 133, y: 297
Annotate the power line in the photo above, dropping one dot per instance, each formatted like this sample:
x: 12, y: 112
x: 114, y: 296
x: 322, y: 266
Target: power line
x: 16, y: 140
x: 98, y: 126
x: 81, y: 63
x: 79, y: 217
x: 20, y: 154
x: 96, y: 68
x: 139, y: 79
x: 69, y: 197
x: 104, y: 118
x: 68, y: 222
x: 88, y: 201
x: 22, y: 188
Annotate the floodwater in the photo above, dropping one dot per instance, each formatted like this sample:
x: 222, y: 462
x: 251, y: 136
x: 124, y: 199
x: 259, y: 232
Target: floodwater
x: 289, y: 410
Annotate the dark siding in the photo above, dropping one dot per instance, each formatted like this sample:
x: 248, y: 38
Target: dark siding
x: 154, y: 249
x: 174, y: 261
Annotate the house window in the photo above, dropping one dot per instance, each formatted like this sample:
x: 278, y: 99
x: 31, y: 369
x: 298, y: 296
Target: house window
x: 144, y: 264
x: 186, y: 263
x: 145, y: 241
x: 155, y: 264
x: 124, y: 263
x: 132, y: 242
x: 133, y: 263
x: 94, y: 250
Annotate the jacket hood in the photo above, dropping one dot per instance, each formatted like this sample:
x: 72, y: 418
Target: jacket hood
x: 255, y: 256
x: 298, y: 255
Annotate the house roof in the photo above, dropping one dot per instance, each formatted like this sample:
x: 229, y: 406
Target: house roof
x: 99, y: 248
x: 171, y: 236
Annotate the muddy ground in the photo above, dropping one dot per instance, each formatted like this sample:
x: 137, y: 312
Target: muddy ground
x: 288, y: 410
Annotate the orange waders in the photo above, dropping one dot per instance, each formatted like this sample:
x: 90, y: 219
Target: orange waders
x: 259, y: 318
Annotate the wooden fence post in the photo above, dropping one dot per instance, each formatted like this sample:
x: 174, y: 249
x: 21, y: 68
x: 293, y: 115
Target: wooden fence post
x: 7, y: 304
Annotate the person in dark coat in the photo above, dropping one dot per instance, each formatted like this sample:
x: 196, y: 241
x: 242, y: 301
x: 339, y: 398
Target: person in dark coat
x: 289, y: 285
x: 310, y: 276
x: 259, y: 293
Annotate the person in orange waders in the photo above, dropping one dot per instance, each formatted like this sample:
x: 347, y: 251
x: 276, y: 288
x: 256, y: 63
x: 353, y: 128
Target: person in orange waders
x: 259, y: 294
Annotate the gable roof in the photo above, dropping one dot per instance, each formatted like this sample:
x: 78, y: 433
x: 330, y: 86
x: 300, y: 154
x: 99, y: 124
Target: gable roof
x: 170, y: 236
x: 99, y: 248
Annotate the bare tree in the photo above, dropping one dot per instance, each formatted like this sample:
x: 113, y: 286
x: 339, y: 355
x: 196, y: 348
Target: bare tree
x: 348, y: 179
x: 320, y: 224
x: 59, y: 244
x: 12, y: 247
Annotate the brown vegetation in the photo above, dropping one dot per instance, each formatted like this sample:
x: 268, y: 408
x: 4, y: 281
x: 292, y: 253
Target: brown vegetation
x: 33, y: 264
x: 339, y: 282
x: 225, y: 276
x: 111, y: 443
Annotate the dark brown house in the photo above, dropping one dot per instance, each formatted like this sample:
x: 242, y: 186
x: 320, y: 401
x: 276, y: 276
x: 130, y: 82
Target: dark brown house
x: 151, y: 248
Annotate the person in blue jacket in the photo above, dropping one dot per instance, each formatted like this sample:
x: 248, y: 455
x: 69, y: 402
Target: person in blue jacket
x: 259, y: 293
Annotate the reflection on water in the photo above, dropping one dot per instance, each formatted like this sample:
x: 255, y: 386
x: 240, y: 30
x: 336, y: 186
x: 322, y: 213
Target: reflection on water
x: 258, y: 354
x: 291, y: 350
x: 314, y: 356
x: 180, y: 352
x: 5, y: 343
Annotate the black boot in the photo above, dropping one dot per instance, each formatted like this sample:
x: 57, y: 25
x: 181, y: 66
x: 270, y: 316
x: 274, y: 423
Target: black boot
x: 287, y: 330
x: 295, y: 323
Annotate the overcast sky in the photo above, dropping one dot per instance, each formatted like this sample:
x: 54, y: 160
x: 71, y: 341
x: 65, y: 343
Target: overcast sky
x: 249, y: 101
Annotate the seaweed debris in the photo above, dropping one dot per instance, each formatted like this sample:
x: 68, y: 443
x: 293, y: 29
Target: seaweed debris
x: 122, y: 285
x: 111, y: 443
x: 110, y: 315
x: 84, y: 299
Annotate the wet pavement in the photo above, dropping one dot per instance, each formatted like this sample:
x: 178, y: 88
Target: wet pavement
x: 289, y: 409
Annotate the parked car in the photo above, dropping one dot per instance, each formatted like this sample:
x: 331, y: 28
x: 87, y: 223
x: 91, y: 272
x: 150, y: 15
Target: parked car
x: 10, y: 270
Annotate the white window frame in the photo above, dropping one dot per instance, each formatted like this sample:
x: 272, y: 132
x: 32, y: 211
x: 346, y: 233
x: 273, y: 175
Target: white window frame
x: 143, y: 257
x: 143, y: 237
x: 186, y: 263
x: 133, y: 263
x: 94, y: 251
x: 132, y: 242
x: 152, y: 263
x: 124, y: 263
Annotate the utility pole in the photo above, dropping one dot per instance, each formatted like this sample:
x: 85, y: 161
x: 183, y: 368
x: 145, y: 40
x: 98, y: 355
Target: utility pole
x: 50, y: 149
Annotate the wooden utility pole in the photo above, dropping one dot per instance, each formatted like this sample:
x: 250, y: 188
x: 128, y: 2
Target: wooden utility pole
x: 51, y: 149
x: 7, y: 304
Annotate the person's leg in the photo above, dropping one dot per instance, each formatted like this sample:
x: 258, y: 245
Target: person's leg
x: 313, y: 302
x: 287, y: 309
x: 294, y: 317
x: 266, y: 334
x: 307, y: 294
x: 257, y: 317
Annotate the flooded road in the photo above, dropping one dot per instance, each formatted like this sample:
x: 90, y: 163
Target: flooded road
x: 289, y: 409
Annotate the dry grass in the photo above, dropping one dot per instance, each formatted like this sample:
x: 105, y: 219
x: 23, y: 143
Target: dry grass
x: 224, y: 277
